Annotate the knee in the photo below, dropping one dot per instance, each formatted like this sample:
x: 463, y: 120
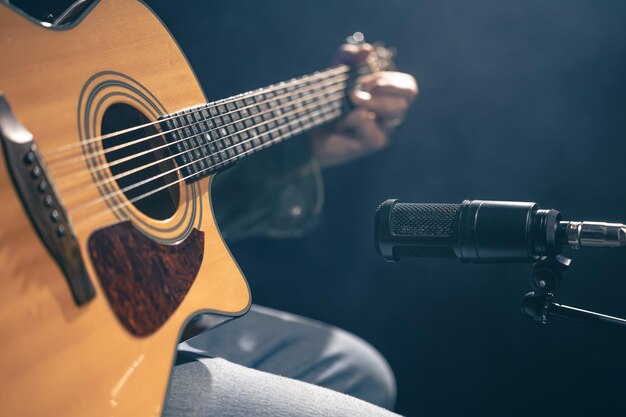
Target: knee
x: 367, y: 373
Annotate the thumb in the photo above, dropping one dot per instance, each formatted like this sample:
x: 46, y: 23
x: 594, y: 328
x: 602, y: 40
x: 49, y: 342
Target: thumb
x: 352, y: 54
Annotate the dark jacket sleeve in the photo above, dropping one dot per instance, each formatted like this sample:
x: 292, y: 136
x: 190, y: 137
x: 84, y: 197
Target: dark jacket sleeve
x: 275, y: 193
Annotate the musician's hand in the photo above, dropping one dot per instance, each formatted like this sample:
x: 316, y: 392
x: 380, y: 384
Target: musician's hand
x: 381, y: 100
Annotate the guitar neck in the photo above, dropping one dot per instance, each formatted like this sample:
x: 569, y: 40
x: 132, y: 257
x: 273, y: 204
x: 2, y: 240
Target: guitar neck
x: 210, y: 137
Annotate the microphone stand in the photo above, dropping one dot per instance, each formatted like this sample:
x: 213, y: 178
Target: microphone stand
x: 539, y: 304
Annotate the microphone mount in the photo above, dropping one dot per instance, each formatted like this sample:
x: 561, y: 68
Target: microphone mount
x: 540, y: 306
x: 482, y: 231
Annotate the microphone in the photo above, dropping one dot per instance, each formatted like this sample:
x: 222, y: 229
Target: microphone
x: 480, y: 231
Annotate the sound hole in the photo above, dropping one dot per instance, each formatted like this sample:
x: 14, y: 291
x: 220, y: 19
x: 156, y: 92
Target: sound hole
x: 162, y: 204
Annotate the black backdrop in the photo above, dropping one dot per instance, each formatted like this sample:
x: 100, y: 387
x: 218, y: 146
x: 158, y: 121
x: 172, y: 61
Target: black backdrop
x: 520, y: 100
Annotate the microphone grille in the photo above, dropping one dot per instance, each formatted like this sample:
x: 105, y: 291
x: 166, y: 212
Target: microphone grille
x: 426, y: 220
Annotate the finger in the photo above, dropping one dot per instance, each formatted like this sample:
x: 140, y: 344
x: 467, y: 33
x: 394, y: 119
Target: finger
x: 385, y: 106
x: 391, y: 82
x: 352, y: 54
x: 363, y: 126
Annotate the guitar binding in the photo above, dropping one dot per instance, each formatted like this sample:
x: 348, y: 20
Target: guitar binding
x: 46, y: 213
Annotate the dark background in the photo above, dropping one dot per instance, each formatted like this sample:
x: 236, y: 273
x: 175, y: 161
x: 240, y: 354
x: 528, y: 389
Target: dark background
x: 520, y: 100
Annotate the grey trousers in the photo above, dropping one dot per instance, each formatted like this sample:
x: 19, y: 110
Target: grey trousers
x: 270, y: 363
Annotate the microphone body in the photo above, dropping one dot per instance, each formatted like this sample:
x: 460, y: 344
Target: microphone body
x: 481, y: 231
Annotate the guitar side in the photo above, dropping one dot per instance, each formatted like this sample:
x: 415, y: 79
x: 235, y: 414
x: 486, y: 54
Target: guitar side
x: 59, y: 358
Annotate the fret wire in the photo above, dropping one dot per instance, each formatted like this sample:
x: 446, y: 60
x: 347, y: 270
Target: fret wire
x: 252, y: 93
x: 256, y: 113
x: 316, y: 108
x: 233, y: 136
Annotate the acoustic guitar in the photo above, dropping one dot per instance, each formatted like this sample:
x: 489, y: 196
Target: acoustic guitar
x: 108, y: 244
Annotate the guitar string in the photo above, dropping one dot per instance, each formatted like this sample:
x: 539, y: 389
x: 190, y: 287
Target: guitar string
x: 298, y: 129
x: 328, y: 100
x: 62, y: 159
x: 81, y: 158
x: 294, y: 82
x: 105, y: 165
x: 323, y: 119
x: 86, y: 179
x: 314, y: 106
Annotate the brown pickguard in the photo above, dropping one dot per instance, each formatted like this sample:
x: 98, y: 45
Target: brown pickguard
x: 144, y: 281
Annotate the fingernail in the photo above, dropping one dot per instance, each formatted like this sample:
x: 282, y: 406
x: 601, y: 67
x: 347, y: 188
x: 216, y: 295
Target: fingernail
x: 362, y: 95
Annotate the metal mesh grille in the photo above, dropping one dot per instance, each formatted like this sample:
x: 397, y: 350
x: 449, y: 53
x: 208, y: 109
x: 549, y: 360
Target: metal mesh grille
x: 426, y: 220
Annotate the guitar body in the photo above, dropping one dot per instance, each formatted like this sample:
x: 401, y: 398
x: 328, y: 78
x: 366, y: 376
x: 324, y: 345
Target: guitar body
x: 110, y: 355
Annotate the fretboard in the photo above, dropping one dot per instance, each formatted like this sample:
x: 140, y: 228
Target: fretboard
x: 211, y: 137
